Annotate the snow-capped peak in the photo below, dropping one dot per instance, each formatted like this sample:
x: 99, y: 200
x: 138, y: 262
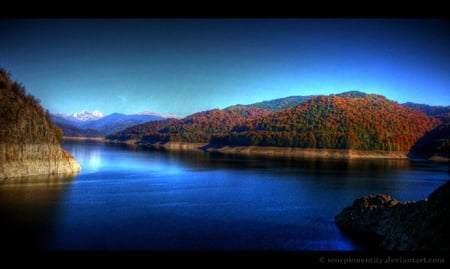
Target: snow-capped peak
x: 97, y: 113
x: 87, y: 116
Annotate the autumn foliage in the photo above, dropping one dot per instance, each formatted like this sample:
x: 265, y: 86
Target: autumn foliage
x: 22, y: 118
x: 369, y: 122
x: 346, y: 121
x: 197, y: 127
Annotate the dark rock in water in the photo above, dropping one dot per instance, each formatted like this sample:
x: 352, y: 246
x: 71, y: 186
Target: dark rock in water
x: 420, y: 225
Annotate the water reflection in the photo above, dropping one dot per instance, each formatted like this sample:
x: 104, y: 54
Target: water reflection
x: 88, y: 155
x: 27, y: 207
x: 128, y: 198
x: 364, y: 176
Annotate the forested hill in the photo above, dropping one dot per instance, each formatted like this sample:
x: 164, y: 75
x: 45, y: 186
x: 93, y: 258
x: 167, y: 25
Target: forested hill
x: 278, y: 104
x: 367, y: 122
x: 29, y: 141
x: 72, y: 131
x: 22, y: 118
x: 352, y: 120
x: 291, y: 101
x: 197, y: 127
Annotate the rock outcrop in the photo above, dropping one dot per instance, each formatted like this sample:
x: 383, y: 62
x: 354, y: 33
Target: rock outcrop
x: 29, y: 141
x: 19, y: 160
x: 404, y: 226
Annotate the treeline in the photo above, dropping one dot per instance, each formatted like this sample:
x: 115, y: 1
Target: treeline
x: 22, y: 118
x: 352, y: 120
x: 278, y: 104
x: 197, y: 127
x: 72, y: 131
x: 369, y: 122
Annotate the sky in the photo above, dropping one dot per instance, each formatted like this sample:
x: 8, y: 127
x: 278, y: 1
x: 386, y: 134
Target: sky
x: 183, y: 66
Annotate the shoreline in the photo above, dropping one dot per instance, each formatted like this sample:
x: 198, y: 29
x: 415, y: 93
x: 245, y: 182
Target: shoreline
x: 311, y: 152
x: 23, y: 160
x: 84, y: 138
x: 283, y: 152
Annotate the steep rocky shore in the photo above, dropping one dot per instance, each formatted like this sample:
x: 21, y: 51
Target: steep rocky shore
x: 410, y: 226
x: 39, y: 159
x: 29, y: 141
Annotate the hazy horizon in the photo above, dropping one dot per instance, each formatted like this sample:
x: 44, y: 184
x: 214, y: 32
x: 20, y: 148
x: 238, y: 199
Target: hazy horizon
x: 177, y: 116
x: 183, y: 66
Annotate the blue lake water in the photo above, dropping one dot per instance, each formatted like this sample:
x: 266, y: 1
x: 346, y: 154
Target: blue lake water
x: 133, y: 199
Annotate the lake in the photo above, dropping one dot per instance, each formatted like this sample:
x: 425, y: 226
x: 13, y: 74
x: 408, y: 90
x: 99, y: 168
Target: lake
x: 133, y: 199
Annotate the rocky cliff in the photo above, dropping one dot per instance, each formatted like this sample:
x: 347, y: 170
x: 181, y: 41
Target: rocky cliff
x: 29, y: 141
x: 421, y: 225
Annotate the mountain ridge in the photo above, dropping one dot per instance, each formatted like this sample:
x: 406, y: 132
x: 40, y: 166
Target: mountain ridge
x: 213, y: 126
x: 428, y: 109
x: 293, y: 100
x: 364, y: 122
x: 81, y: 116
x: 105, y: 125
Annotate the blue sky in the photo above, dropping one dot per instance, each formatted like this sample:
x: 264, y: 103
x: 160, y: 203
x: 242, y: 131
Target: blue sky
x: 182, y: 66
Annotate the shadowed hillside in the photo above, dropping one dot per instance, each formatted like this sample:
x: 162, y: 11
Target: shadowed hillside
x: 435, y: 143
x: 72, y: 131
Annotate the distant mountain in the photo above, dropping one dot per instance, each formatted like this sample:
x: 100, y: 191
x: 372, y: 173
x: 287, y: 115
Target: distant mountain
x: 117, y: 122
x: 350, y: 120
x: 88, y: 116
x: 60, y: 119
x: 82, y: 116
x: 151, y: 113
x: 72, y: 128
x: 113, y: 123
x: 437, y: 111
x: 77, y: 119
x: 72, y: 131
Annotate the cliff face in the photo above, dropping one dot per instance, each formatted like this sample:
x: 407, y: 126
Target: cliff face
x: 29, y: 141
x: 421, y: 225
x: 35, y: 159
